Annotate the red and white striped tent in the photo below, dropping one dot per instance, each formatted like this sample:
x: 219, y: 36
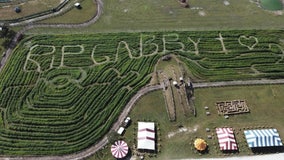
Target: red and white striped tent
x: 226, y: 139
x: 119, y: 149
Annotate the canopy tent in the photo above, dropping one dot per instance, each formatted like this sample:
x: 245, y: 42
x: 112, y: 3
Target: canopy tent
x: 226, y: 139
x: 200, y: 144
x: 263, y: 138
x: 119, y: 149
x: 146, y: 135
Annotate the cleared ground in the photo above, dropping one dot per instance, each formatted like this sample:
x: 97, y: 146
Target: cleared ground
x: 169, y: 71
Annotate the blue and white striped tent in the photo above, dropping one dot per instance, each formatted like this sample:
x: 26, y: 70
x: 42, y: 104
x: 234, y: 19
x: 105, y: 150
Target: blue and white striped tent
x: 263, y: 138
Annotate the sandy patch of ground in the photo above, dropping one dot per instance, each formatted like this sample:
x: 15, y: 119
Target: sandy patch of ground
x: 202, y: 13
x: 183, y: 129
x: 226, y: 3
x: 125, y: 10
x: 196, y: 8
x: 278, y: 13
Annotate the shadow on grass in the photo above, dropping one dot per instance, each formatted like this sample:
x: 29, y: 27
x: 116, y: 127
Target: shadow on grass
x: 267, y: 150
x: 128, y: 156
x: 231, y: 152
x: 206, y: 151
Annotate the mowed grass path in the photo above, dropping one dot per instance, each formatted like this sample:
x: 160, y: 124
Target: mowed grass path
x: 27, y: 8
x: 264, y: 101
x: 75, y: 15
x: 149, y: 15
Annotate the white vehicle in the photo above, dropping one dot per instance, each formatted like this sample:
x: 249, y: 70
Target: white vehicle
x: 127, y: 121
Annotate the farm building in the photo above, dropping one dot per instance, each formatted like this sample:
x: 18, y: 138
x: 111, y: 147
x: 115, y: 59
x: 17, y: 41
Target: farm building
x: 146, y: 136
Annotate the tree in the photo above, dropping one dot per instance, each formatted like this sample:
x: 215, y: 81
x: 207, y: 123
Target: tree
x: 6, y: 43
x: 4, y: 32
x: 10, y: 34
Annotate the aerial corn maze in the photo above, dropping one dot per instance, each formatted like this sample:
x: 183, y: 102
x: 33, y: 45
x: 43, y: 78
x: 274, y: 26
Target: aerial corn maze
x: 61, y: 94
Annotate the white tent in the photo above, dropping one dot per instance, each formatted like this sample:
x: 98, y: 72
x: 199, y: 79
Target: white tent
x: 146, y: 135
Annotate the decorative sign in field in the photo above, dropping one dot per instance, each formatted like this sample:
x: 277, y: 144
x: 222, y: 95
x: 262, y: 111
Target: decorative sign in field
x: 232, y: 107
x: 61, y: 93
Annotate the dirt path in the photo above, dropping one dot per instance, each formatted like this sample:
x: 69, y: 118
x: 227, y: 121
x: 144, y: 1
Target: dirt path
x: 238, y: 83
x: 90, y: 151
x: 30, y: 25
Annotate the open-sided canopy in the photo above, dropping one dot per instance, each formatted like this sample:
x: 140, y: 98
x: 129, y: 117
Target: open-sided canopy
x: 226, y: 139
x: 146, y: 135
x: 119, y: 149
x: 263, y: 138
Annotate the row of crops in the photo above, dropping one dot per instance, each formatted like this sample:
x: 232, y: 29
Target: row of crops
x: 60, y: 94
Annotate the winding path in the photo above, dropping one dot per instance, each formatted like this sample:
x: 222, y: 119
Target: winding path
x: 29, y: 25
x: 238, y: 83
x: 90, y: 151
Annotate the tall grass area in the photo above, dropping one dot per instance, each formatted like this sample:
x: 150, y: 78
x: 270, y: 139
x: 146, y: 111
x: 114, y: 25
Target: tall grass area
x: 265, y: 103
x: 149, y: 15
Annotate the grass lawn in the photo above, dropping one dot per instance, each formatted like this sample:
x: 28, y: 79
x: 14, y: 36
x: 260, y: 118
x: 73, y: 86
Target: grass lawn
x: 75, y: 15
x: 265, y: 103
x: 149, y: 15
x: 27, y: 8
